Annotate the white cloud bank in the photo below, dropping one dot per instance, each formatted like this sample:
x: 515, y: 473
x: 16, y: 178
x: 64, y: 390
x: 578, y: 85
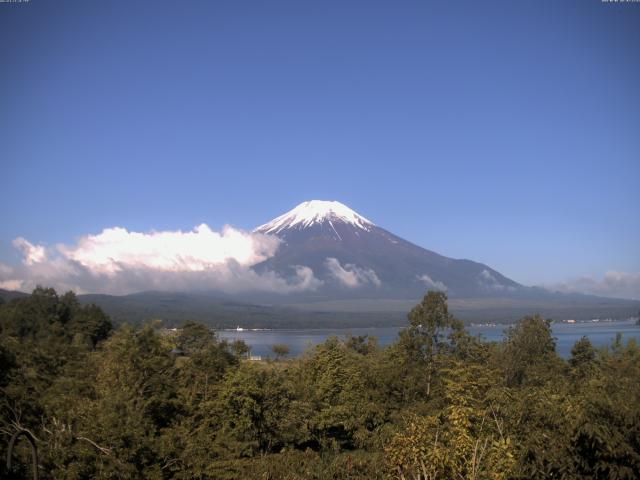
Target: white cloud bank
x: 351, y: 275
x: 613, y: 284
x: 119, y: 261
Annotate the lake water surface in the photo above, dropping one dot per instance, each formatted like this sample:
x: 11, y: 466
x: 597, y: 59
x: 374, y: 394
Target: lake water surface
x: 601, y: 334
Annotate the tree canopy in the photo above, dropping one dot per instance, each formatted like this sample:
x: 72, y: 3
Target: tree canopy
x: 147, y: 402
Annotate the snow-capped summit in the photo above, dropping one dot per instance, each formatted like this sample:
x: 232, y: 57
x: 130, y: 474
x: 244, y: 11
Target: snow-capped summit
x: 315, y: 212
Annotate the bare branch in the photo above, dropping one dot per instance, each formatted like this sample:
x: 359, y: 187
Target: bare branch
x: 104, y: 450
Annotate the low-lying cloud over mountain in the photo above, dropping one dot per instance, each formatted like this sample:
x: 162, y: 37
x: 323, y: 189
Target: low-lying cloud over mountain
x: 431, y: 284
x: 119, y: 261
x: 612, y: 284
x: 351, y: 275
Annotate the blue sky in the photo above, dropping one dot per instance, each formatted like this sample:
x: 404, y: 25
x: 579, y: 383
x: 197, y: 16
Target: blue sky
x: 504, y: 132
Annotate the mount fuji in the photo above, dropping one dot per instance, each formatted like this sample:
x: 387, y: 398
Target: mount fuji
x: 363, y: 275
x: 353, y: 257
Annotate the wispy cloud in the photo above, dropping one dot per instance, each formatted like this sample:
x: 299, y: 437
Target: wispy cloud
x: 120, y: 261
x: 429, y: 282
x: 487, y: 280
x: 613, y: 284
x: 351, y: 275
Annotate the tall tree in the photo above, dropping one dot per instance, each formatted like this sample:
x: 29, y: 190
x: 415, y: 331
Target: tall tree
x: 530, y: 351
x: 425, y: 336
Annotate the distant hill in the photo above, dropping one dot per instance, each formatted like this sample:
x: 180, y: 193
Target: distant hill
x: 219, y: 312
x: 175, y: 308
x: 7, y: 295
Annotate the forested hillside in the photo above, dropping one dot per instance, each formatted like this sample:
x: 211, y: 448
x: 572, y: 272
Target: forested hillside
x: 436, y: 404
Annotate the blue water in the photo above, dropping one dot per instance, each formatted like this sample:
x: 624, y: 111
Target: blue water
x: 601, y: 334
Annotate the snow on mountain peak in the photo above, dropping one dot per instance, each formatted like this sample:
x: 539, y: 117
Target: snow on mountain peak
x: 314, y: 212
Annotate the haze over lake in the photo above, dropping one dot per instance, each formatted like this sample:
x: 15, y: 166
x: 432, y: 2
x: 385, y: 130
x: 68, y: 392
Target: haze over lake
x: 601, y: 334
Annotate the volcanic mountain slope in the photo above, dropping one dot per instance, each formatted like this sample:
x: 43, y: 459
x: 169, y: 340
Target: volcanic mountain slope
x: 355, y: 258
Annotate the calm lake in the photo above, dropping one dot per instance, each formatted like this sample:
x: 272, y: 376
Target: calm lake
x: 601, y: 334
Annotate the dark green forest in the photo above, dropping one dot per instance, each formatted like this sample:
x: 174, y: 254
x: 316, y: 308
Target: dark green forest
x: 103, y: 402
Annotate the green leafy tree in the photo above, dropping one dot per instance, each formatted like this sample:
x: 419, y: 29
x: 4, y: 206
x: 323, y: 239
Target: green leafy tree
x: 280, y: 350
x: 425, y: 338
x: 530, y: 351
x: 362, y: 344
x: 135, y: 401
x: 240, y: 348
x: 605, y: 431
x: 252, y: 405
x: 582, y: 360
x: 582, y: 353
x: 205, y: 364
x: 194, y: 337
x: 465, y: 440
x: 335, y: 386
